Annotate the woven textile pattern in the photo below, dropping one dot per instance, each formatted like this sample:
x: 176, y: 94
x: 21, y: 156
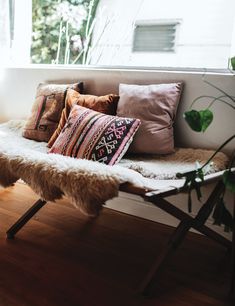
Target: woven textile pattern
x: 46, y: 110
x: 95, y: 136
x: 104, y: 104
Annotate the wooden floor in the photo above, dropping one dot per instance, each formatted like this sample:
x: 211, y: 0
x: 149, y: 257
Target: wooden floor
x: 62, y: 258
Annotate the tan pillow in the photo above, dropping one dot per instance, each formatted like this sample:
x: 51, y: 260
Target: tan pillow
x: 46, y: 110
x: 155, y: 106
x: 104, y: 104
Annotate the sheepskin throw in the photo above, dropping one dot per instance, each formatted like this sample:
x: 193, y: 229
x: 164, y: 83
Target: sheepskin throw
x: 87, y: 183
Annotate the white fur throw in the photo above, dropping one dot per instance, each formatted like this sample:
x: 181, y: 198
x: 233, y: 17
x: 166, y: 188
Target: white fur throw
x: 88, y: 184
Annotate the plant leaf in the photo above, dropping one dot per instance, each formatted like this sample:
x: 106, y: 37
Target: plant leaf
x: 199, y: 120
x: 193, y: 119
x: 200, y: 174
x: 229, y: 180
x: 222, y: 216
x: 206, y: 118
x: 192, y: 183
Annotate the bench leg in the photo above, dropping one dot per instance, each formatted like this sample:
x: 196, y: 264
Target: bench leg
x: 180, y: 232
x: 25, y: 218
x: 147, y: 285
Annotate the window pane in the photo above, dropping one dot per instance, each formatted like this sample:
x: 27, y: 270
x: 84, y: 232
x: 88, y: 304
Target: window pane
x: 4, y: 30
x: 203, y: 38
x: 62, y: 31
x: 142, y: 33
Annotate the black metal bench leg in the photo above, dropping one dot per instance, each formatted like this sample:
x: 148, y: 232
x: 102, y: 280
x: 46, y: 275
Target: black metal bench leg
x: 25, y: 218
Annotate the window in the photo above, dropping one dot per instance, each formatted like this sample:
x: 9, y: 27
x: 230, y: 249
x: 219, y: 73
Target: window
x: 4, y: 30
x: 137, y: 33
x: 154, y: 37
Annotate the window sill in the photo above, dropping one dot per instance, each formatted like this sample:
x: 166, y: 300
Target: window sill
x: 125, y: 68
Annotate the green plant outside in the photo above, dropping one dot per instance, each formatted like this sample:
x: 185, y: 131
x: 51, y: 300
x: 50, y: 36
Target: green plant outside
x: 52, y: 32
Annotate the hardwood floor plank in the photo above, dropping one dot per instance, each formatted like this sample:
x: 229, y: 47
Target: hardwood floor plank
x: 61, y: 257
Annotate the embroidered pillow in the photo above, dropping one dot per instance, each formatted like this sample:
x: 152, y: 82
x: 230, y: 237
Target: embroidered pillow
x: 104, y: 104
x: 155, y: 106
x: 46, y: 110
x: 92, y: 135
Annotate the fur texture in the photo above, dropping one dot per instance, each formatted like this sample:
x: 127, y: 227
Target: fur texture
x: 88, y: 184
x: 162, y: 167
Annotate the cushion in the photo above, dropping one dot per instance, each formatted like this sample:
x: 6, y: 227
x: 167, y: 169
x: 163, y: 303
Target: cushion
x: 155, y: 105
x: 104, y: 104
x: 46, y: 110
x: 92, y: 135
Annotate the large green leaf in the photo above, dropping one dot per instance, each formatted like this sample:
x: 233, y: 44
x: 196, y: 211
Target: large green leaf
x: 199, y: 120
x: 229, y: 180
x: 206, y: 118
x: 194, y: 120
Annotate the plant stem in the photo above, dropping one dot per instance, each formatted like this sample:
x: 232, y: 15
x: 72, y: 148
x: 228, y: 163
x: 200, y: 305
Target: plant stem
x: 214, y: 86
x: 98, y: 39
x: 214, y: 99
x: 59, y: 44
x: 66, y: 55
x: 77, y: 58
x: 219, y: 149
x: 219, y: 99
x: 89, y: 17
x: 232, y: 160
x: 88, y: 40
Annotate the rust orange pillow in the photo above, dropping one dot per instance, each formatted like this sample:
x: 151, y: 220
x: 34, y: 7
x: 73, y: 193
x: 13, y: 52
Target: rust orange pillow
x: 104, y: 104
x: 47, y: 109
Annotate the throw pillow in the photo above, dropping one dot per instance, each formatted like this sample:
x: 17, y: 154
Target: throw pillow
x: 104, y: 104
x: 46, y: 110
x: 155, y: 106
x: 92, y: 135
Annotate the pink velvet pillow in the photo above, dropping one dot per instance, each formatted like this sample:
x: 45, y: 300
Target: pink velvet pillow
x: 155, y: 106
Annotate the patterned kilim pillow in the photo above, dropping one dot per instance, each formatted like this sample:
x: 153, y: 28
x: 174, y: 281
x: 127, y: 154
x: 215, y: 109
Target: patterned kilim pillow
x: 104, y: 104
x: 92, y: 135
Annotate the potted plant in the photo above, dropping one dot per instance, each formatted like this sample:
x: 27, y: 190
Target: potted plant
x: 199, y: 120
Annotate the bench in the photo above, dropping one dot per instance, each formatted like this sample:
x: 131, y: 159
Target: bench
x: 130, y: 183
